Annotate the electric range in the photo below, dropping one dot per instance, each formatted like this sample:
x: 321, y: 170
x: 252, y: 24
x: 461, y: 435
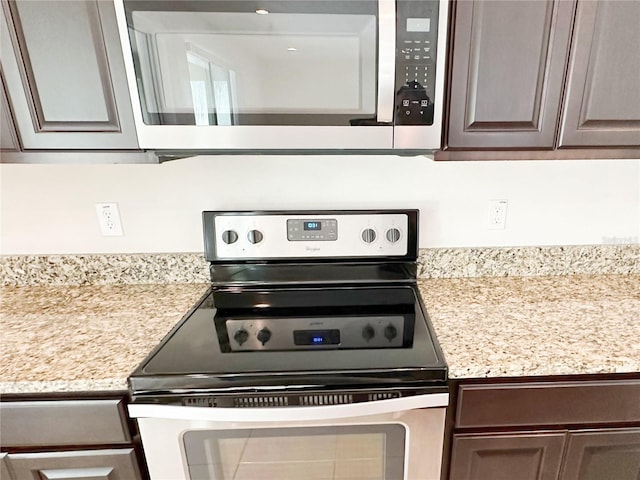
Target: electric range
x: 304, y: 308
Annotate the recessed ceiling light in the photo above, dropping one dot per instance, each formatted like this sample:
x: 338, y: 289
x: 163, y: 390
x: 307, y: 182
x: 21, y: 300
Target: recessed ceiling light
x: 262, y: 11
x: 292, y: 49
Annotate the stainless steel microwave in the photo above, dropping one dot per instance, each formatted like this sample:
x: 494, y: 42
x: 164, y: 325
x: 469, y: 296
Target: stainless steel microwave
x: 223, y: 75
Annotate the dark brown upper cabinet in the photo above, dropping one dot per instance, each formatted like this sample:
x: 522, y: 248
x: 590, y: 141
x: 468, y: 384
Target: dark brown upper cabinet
x: 602, y: 99
x: 508, y: 65
x: 64, y: 73
x: 544, y: 79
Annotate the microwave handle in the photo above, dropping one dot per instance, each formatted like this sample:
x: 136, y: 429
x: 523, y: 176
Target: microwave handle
x: 283, y: 414
x: 386, y: 59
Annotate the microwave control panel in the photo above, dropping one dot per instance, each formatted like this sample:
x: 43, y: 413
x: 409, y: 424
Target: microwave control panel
x: 417, y: 37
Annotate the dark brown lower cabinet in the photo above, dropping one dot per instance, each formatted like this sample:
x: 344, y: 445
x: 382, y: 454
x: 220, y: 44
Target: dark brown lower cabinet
x: 588, y: 455
x: 547, y: 430
x: 602, y: 455
x: 75, y: 437
x: 522, y: 456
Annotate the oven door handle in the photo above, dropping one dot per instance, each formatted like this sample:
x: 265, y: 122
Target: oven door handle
x: 386, y: 60
x: 283, y: 414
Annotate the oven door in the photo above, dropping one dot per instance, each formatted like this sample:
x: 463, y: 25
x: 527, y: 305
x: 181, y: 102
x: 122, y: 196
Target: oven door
x: 275, y: 74
x: 388, y: 439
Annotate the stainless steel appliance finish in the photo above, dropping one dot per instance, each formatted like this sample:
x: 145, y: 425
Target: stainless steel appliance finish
x: 216, y: 75
x: 302, y: 345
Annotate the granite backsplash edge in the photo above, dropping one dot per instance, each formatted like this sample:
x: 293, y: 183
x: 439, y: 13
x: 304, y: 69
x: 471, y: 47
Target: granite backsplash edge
x: 152, y: 268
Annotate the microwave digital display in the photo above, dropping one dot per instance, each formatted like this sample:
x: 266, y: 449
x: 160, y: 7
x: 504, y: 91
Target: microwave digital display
x: 418, y: 25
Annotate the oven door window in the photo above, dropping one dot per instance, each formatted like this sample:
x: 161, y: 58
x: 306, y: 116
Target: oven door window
x: 374, y: 452
x: 231, y: 63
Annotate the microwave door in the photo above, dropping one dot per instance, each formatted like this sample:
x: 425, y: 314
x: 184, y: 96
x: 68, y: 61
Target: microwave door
x: 214, y: 75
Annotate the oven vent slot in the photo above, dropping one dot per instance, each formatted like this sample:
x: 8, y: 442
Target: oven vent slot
x: 200, y: 402
x: 267, y: 401
x: 312, y: 400
x: 383, y: 396
x: 303, y: 400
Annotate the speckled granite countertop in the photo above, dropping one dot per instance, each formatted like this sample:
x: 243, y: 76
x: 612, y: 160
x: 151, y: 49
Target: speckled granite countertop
x: 84, y: 338
x: 531, y: 326
x: 89, y: 338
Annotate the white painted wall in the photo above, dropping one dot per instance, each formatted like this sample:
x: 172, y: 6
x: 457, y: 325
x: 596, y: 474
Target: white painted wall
x: 50, y: 208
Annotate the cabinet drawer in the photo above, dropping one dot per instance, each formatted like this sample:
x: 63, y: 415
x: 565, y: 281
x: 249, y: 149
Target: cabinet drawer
x: 118, y: 464
x: 557, y: 403
x: 63, y: 422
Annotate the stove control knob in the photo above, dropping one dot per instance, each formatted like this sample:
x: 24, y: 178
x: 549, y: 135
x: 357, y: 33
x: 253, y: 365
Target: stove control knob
x: 264, y: 336
x: 241, y: 336
x: 368, y: 333
x: 255, y: 236
x: 393, y: 235
x: 368, y: 235
x: 229, y: 237
x: 390, y: 332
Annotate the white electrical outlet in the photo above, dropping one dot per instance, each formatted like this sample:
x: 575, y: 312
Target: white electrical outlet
x: 109, y: 219
x: 497, y: 214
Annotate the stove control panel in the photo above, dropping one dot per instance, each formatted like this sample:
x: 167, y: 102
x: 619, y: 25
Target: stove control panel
x: 257, y: 334
x: 247, y: 235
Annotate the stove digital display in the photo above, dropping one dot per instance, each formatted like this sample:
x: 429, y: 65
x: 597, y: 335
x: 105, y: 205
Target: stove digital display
x: 312, y: 225
x: 316, y: 337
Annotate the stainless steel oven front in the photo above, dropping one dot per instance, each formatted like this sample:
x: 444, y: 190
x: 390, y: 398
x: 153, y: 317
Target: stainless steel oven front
x: 311, y: 356
x: 216, y: 75
x: 385, y: 439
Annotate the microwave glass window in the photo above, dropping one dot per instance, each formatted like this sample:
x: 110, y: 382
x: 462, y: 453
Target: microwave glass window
x: 375, y: 452
x: 283, y: 67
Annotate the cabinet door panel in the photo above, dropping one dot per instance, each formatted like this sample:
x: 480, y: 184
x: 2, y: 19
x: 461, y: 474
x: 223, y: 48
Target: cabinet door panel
x: 65, y: 75
x: 604, y: 454
x: 89, y: 465
x: 508, y: 67
x: 73, y: 86
x: 602, y: 106
x: 524, y: 456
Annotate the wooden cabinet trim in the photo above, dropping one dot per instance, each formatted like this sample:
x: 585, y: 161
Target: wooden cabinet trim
x: 562, y: 154
x: 12, y: 144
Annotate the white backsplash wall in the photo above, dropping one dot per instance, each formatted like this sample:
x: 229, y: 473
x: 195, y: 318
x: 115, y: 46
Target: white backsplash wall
x: 49, y: 209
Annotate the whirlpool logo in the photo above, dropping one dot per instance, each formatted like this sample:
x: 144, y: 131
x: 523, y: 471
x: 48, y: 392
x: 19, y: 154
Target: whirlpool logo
x: 312, y: 249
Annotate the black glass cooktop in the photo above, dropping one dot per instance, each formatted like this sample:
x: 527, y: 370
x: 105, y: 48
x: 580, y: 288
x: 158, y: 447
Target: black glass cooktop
x: 312, y: 337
